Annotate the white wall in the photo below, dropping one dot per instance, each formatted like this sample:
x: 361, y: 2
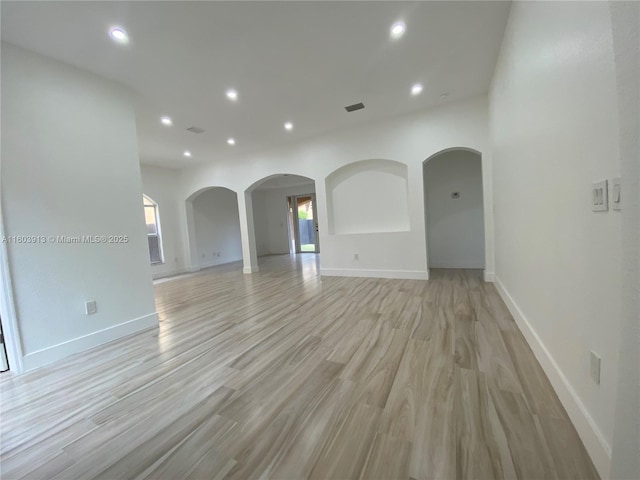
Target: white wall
x: 70, y: 167
x: 217, y: 228
x: 626, y: 434
x: 409, y: 139
x: 455, y: 226
x: 271, y: 216
x: 554, y: 127
x: 261, y: 222
x: 160, y: 185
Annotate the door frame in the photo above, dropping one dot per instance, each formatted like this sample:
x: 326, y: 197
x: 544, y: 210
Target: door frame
x: 296, y: 227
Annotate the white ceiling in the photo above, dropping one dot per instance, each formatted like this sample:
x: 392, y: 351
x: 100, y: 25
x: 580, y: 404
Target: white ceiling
x: 290, y: 61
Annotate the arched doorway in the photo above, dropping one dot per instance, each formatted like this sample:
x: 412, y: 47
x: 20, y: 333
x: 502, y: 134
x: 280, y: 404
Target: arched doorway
x: 214, y: 227
x: 285, y: 215
x: 454, y: 209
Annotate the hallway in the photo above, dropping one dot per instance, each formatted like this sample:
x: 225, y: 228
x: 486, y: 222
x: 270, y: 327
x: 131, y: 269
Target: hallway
x: 285, y: 375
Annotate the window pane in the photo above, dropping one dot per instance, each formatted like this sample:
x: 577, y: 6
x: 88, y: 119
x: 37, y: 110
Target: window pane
x: 154, y: 249
x: 153, y: 231
x: 305, y: 208
x: 150, y: 219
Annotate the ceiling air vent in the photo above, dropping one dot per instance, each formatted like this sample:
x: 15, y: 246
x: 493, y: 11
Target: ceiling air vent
x: 354, y: 107
x: 195, y: 130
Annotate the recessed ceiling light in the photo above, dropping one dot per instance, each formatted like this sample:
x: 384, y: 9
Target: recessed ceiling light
x: 416, y: 89
x: 398, y: 29
x: 231, y: 141
x: 288, y: 126
x: 119, y: 35
x: 187, y: 153
x: 166, y: 121
x: 232, y: 94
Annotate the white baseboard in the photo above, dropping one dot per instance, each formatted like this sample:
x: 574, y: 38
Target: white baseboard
x: 168, y: 273
x: 457, y: 265
x: 489, y: 276
x: 351, y: 272
x: 47, y: 355
x: 183, y: 270
x: 219, y: 261
x: 592, y: 437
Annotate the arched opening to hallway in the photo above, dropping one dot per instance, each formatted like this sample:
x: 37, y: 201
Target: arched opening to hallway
x: 285, y: 215
x: 214, y: 227
x: 454, y: 210
x: 283, y: 220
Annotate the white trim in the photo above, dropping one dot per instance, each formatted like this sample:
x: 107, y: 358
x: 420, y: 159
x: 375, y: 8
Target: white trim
x: 251, y: 269
x: 168, y: 273
x: 56, y: 352
x: 175, y: 277
x: 183, y: 272
x: 400, y: 274
x: 489, y: 276
x: 458, y: 266
x: 220, y: 261
x: 593, y: 439
x: 10, y: 327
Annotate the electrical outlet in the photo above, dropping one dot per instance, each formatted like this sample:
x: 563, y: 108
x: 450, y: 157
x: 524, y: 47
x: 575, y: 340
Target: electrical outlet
x: 356, y: 256
x: 90, y: 307
x: 595, y: 368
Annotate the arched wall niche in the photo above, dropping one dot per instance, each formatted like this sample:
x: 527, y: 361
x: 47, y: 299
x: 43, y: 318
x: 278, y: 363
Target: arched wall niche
x: 368, y: 196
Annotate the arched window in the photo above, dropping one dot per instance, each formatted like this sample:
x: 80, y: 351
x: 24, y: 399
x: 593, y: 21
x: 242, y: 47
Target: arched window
x: 152, y: 220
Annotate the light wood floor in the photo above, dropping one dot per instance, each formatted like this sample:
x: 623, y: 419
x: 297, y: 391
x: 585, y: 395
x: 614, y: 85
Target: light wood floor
x: 282, y: 375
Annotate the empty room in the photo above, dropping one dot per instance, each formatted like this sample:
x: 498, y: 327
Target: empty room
x: 320, y: 240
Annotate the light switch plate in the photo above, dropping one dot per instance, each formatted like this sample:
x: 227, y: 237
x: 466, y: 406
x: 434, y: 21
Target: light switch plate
x: 616, y: 194
x: 600, y: 197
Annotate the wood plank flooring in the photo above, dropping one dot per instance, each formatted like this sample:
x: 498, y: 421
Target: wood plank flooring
x: 284, y: 375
